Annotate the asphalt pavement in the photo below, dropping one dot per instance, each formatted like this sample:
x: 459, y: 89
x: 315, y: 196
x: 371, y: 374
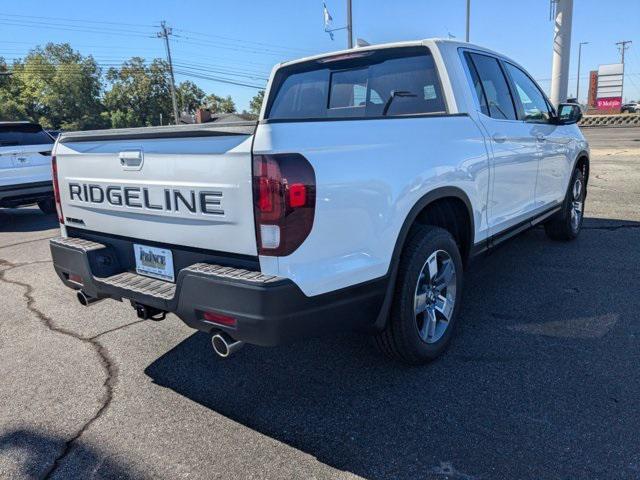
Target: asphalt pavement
x: 542, y: 380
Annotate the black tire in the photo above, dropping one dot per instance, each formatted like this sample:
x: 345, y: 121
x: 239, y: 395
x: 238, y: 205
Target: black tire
x: 563, y: 226
x: 48, y: 206
x: 401, y: 339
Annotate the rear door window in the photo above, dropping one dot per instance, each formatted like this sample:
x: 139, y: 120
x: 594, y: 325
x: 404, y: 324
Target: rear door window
x: 378, y: 83
x: 27, y: 134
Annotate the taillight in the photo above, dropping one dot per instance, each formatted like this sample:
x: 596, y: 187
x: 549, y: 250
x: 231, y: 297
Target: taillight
x: 56, y: 188
x: 284, y: 202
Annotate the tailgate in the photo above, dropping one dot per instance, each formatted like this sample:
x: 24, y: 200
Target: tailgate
x: 187, y: 185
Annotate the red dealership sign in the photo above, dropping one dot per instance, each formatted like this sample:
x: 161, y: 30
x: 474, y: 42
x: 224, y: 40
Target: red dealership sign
x: 609, y: 103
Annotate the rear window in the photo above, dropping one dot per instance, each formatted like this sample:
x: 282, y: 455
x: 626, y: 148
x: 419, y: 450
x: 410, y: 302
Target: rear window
x: 27, y: 134
x: 379, y: 83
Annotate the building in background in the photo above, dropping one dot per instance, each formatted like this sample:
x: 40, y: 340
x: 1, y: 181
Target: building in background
x: 593, y: 90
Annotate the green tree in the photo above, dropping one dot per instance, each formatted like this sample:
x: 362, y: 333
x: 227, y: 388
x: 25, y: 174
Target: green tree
x: 139, y: 94
x: 190, y: 97
x: 219, y: 104
x: 256, y: 103
x: 10, y: 106
x: 56, y: 86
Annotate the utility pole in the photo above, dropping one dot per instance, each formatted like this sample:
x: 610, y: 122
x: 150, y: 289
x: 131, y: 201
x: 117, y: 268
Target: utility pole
x: 165, y: 34
x: 622, y: 46
x: 349, y: 25
x: 561, y: 51
x: 468, y: 18
x: 579, y: 59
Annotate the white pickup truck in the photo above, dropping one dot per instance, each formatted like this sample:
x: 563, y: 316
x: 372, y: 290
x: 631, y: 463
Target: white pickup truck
x: 25, y: 166
x: 355, y: 201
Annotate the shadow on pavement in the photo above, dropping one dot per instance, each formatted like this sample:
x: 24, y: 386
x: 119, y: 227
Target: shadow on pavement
x: 29, y: 219
x: 541, y: 380
x: 34, y: 453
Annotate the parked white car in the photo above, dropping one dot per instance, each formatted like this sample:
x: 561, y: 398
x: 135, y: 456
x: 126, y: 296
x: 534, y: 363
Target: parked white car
x: 25, y: 166
x: 356, y: 201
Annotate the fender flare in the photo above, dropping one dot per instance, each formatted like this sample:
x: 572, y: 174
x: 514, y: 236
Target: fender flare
x: 392, y: 273
x: 582, y: 154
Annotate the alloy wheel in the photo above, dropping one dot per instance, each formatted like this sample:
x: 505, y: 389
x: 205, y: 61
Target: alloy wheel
x: 576, y: 204
x: 435, y: 296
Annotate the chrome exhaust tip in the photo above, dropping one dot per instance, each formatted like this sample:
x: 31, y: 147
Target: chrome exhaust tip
x: 224, y: 345
x: 86, y: 300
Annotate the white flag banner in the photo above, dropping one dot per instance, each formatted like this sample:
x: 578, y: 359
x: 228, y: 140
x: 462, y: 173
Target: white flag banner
x: 328, y: 19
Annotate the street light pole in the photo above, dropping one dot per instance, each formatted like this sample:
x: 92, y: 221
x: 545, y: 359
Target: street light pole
x: 349, y: 25
x: 468, y: 18
x: 579, y: 59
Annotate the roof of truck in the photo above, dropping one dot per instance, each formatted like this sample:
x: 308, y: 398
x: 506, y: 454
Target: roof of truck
x: 381, y: 46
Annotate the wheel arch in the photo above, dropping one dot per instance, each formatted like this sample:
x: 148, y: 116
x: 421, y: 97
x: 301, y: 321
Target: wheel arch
x: 430, y: 199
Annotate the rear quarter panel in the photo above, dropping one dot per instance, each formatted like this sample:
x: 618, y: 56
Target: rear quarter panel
x: 369, y: 175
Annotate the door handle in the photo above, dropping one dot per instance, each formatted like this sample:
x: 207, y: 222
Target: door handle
x: 499, y: 138
x: 131, y: 159
x: 540, y: 137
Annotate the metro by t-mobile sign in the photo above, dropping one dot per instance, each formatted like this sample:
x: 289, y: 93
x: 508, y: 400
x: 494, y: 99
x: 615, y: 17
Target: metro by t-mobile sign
x: 609, y: 96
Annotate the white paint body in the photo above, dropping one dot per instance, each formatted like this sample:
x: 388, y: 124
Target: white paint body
x: 369, y: 175
x: 24, y: 164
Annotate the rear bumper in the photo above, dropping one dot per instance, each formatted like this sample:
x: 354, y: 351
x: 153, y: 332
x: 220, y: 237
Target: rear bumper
x: 14, y: 195
x: 269, y: 310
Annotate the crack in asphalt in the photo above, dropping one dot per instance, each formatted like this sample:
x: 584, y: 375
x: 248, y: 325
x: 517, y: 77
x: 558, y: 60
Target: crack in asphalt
x: 107, y: 363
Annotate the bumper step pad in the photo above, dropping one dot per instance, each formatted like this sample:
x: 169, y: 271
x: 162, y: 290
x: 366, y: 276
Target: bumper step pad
x: 159, y: 289
x: 232, y: 273
x: 77, y: 244
x: 141, y: 284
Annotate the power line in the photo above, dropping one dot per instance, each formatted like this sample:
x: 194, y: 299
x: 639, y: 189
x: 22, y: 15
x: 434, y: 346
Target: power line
x: 271, y: 45
x: 102, y: 60
x: 39, y: 20
x: 223, y: 72
x: 78, y: 30
x: 59, y: 23
x: 219, y: 79
x: 237, y: 48
x: 100, y: 22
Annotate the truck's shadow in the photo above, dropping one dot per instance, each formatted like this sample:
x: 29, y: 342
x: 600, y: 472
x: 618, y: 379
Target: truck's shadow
x: 37, y: 451
x: 27, y: 219
x: 530, y: 374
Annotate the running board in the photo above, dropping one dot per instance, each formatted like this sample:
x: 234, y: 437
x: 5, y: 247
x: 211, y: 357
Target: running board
x: 499, y: 238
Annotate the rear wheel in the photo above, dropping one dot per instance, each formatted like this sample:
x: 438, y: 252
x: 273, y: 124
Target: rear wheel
x: 427, y: 298
x: 566, y: 224
x: 47, y: 206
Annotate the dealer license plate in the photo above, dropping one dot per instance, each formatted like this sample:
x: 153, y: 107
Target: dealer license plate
x: 154, y: 262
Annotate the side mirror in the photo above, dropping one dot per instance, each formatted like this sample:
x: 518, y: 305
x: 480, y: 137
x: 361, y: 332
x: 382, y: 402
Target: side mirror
x: 568, y: 113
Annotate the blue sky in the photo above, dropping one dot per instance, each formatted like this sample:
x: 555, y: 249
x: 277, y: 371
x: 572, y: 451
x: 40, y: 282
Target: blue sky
x: 239, y: 41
